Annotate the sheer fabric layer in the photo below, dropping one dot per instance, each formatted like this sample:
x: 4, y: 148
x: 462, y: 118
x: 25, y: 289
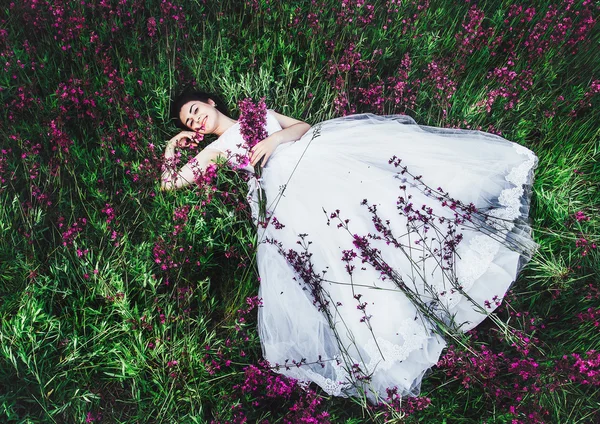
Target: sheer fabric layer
x: 367, y: 325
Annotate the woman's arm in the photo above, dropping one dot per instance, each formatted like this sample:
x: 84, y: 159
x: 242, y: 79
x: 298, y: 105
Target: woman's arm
x: 172, y: 180
x: 264, y: 149
x: 291, y: 133
x: 292, y: 129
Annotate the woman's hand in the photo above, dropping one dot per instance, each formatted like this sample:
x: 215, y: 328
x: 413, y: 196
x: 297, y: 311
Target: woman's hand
x: 263, y: 148
x: 186, y: 139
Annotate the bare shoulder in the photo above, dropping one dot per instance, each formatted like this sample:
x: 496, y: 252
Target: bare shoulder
x: 286, y: 121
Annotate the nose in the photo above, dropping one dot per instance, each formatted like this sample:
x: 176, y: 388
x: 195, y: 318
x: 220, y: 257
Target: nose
x: 197, y: 122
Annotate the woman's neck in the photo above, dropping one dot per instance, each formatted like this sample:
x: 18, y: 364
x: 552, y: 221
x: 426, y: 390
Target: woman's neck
x: 226, y: 125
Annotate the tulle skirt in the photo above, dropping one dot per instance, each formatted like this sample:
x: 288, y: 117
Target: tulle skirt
x: 370, y: 217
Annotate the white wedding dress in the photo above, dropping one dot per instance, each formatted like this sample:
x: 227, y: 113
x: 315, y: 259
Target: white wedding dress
x: 359, y: 333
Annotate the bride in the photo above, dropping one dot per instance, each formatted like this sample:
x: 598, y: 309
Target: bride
x: 381, y: 232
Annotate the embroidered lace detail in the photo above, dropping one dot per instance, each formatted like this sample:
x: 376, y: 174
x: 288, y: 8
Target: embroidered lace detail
x: 252, y: 199
x: 481, y: 250
x: 475, y: 260
x: 334, y: 387
x: 414, y: 335
x: 510, y: 198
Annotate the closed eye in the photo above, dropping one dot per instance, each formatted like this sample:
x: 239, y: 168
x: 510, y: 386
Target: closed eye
x: 187, y: 120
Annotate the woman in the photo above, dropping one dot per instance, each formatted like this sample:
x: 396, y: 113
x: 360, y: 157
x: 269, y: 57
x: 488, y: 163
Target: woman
x: 403, y: 230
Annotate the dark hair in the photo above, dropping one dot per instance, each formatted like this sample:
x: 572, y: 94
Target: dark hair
x: 189, y: 94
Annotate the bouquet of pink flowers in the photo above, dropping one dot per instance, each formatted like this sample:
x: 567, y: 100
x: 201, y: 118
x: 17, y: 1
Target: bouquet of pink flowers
x: 253, y: 120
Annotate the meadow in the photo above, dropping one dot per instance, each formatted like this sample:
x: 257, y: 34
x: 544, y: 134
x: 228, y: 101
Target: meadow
x: 122, y: 303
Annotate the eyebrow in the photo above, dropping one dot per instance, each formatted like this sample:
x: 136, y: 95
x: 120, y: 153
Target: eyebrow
x: 186, y: 121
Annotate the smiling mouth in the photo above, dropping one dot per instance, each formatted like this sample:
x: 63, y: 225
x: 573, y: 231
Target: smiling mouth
x: 203, y: 122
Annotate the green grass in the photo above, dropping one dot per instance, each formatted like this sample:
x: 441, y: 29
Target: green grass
x: 94, y: 333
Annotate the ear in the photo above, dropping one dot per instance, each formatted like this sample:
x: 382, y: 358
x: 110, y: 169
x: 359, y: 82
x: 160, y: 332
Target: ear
x: 211, y: 102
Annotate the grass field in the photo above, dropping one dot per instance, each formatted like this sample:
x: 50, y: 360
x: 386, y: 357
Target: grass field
x: 121, y: 303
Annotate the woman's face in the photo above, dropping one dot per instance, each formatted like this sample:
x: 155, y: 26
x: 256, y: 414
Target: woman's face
x: 199, y: 116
